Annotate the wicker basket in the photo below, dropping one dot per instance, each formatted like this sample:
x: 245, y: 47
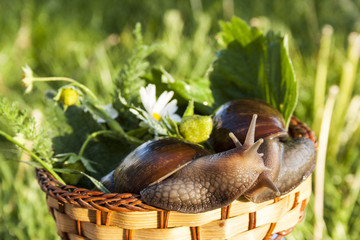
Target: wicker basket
x: 84, y: 214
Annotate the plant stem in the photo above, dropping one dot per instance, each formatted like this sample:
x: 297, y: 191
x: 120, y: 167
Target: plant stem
x: 90, y: 137
x: 46, y: 165
x: 65, y: 79
x: 91, y: 106
x: 113, y: 124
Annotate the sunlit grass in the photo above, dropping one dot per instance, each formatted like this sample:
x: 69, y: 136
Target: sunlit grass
x: 23, y: 210
x: 90, y: 41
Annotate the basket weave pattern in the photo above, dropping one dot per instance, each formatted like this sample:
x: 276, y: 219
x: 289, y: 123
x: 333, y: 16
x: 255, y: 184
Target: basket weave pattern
x: 80, y: 213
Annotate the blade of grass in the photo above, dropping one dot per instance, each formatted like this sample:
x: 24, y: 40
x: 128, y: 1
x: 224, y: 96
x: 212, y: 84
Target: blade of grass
x: 321, y: 75
x: 346, y: 89
x: 228, y: 9
x: 320, y: 163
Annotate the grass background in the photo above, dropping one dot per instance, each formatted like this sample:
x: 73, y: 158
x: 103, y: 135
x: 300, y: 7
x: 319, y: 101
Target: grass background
x: 91, y: 40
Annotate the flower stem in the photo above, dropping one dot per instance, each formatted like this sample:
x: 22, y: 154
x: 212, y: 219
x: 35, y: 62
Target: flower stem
x: 46, y: 165
x: 113, y: 124
x: 65, y: 79
x: 90, y: 137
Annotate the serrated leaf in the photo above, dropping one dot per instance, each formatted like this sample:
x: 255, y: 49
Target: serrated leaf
x: 197, y: 89
x: 237, y: 30
x: 254, y: 66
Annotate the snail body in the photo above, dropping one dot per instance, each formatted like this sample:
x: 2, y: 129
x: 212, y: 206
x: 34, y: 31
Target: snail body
x: 296, y: 163
x: 201, y: 183
x: 290, y: 161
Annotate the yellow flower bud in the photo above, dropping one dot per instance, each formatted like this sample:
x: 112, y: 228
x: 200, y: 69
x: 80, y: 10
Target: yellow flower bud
x: 68, y: 97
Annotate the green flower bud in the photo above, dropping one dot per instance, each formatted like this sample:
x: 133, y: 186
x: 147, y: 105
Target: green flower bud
x: 73, y: 178
x: 196, y: 128
x: 68, y: 97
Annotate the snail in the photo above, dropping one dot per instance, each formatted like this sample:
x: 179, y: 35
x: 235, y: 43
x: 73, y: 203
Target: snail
x: 291, y: 160
x: 175, y: 175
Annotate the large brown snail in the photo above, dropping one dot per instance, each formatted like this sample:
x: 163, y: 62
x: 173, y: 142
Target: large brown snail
x: 291, y: 160
x: 196, y: 181
x: 175, y: 175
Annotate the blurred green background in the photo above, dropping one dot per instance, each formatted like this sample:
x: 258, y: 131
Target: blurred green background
x: 91, y: 40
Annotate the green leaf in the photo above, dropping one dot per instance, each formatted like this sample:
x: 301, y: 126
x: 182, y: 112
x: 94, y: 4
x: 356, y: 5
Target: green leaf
x: 72, y: 158
x: 197, y: 90
x: 189, y: 111
x: 97, y: 183
x: 237, y: 30
x: 254, y: 66
x: 103, y: 155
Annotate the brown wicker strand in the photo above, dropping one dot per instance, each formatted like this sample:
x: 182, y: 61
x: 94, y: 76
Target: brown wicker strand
x: 225, y: 212
x: 195, y: 233
x: 252, y: 220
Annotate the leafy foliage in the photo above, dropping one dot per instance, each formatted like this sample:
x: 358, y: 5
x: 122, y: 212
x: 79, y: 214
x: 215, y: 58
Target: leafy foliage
x: 19, y: 123
x: 254, y: 66
x: 130, y: 79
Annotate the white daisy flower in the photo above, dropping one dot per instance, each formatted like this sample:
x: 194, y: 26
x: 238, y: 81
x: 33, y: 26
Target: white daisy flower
x: 161, y: 107
x: 28, y: 78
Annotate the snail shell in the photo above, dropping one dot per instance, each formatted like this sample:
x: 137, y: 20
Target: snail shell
x: 205, y: 182
x: 290, y: 161
x: 151, y: 162
x: 235, y: 116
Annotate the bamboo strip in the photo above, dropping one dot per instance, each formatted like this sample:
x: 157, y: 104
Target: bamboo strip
x: 289, y: 220
x: 64, y: 223
x: 178, y: 233
x: 272, y: 213
x: 52, y: 202
x: 80, y: 214
x: 192, y: 220
x: 93, y: 231
x: 223, y: 229
x: 72, y: 236
x: 241, y: 207
x: 134, y: 220
x: 254, y: 234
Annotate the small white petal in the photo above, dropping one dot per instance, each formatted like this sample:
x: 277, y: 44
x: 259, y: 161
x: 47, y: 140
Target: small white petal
x: 170, y: 108
x: 27, y: 71
x: 147, y: 97
x: 134, y: 111
x: 161, y: 102
x: 111, y: 111
x: 175, y: 117
x: 100, y: 120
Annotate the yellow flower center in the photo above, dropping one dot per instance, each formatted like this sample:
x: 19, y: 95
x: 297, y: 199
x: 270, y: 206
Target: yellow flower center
x: 156, y: 116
